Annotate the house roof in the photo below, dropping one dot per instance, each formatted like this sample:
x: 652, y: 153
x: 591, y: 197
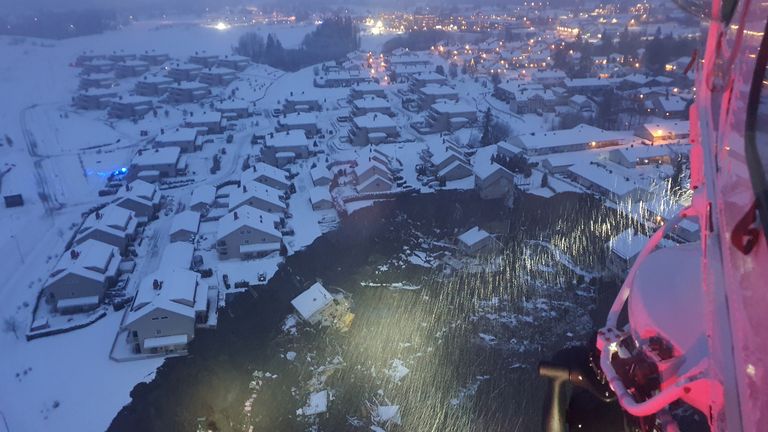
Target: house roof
x: 318, y: 194
x: 159, y: 156
x: 628, y: 244
x: 290, y: 138
x: 374, y: 120
x: 177, y: 255
x: 312, y: 300
x: 92, y: 259
x: 177, y: 293
x: 473, y: 236
x: 581, y: 134
x: 177, y: 135
x: 250, y: 217
x: 204, y: 194
x: 187, y: 220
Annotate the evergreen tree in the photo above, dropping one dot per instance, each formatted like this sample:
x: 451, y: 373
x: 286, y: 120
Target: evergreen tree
x: 486, y: 138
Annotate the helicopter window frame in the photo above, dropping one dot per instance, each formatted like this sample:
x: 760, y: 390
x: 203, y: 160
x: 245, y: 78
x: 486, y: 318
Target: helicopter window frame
x: 757, y: 172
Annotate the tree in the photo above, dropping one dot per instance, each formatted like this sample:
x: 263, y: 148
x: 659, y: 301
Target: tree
x: 545, y: 180
x: 485, y: 138
x: 495, y: 78
x: 251, y: 45
x: 439, y: 69
x: 11, y: 325
x: 453, y: 70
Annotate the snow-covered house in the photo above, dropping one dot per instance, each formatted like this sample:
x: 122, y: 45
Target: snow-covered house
x: 247, y: 233
x: 234, y: 62
x: 154, y: 58
x: 234, y: 109
x: 581, y: 137
x: 281, y: 148
x: 185, y: 226
x: 267, y: 175
x: 140, y: 197
x: 371, y: 104
x: 304, y: 121
x: 433, y: 93
x: 113, y: 225
x: 81, y: 276
x: 209, y: 122
x: 187, y: 92
x: 217, y: 76
x: 631, y: 157
x: 259, y: 196
x: 366, y: 169
x: 302, y: 103
x: 177, y: 255
x: 372, y: 128
x: 366, y: 89
x: 625, y: 248
x: 204, y: 59
x: 421, y: 80
x: 131, y: 68
x: 609, y: 180
x: 202, y: 199
x: 375, y: 183
x: 320, y: 176
x: 476, y: 241
x: 311, y: 303
x: 320, y: 198
x: 665, y: 131
x: 179, y: 72
x: 449, y: 116
x: 157, y: 163
x: 493, y: 181
x: 152, y: 85
x: 183, y: 138
x: 168, y: 305
x: 128, y: 107
x: 94, y: 99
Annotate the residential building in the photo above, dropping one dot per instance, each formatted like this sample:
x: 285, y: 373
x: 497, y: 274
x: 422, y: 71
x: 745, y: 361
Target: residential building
x: 247, y: 232
x: 154, y: 58
x: 476, y: 241
x: 311, y: 304
x: 372, y: 129
x: 202, y: 199
x: 130, y: 107
x: 95, y: 99
x: 97, y: 81
x: 320, y: 198
x: 633, y: 156
x: 235, y: 62
x: 113, y: 225
x: 81, y: 276
x: 183, y: 138
x: 281, y: 148
x: 624, y: 249
x: 207, y: 122
x: 168, y: 305
x: 185, y: 226
x: 448, y: 117
x: 162, y: 162
x: 665, y: 131
x: 258, y: 196
x: 432, y: 93
x: 187, y: 92
x: 371, y: 104
x: 204, y: 59
x: 266, y: 174
x: 181, y: 72
x: 140, y: 197
x: 581, y: 137
x: 493, y: 181
x: 234, y: 109
x: 301, y: 103
x: 217, y: 76
x: 608, y: 180
x: 131, y: 68
x: 304, y: 121
x: 367, y: 89
x: 153, y: 85
x: 320, y: 176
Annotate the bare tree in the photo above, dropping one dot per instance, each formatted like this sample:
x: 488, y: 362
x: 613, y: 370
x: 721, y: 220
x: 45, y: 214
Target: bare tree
x: 11, y: 325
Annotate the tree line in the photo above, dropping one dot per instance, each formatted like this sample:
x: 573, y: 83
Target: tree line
x: 333, y: 39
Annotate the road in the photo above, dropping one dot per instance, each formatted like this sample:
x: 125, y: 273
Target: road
x: 48, y: 199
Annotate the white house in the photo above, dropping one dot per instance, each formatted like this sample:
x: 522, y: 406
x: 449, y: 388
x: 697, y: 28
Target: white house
x: 281, y: 148
x: 202, y: 198
x: 320, y: 198
x: 311, y: 303
x: 493, y: 181
x: 258, y: 196
x: 268, y: 175
x: 159, y: 163
x: 140, y: 197
x: 183, y: 138
x: 320, y: 176
x: 81, y: 276
x: 476, y: 241
x: 185, y: 226
x: 375, y: 183
x: 113, y: 225
x: 177, y: 255
x: 625, y: 248
x: 247, y: 233
x: 167, y: 306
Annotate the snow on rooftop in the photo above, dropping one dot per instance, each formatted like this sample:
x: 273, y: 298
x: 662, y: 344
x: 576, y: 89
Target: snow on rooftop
x: 371, y: 102
x: 438, y: 90
x: 581, y: 134
x: 177, y: 255
x: 177, y: 135
x: 667, y: 127
x: 318, y: 194
x: 314, y: 299
x: 374, y: 121
x: 163, y: 156
x: 473, y: 236
x: 204, y: 194
x: 628, y: 244
x: 248, y: 216
x: 289, y: 138
x: 187, y: 220
x: 453, y: 108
